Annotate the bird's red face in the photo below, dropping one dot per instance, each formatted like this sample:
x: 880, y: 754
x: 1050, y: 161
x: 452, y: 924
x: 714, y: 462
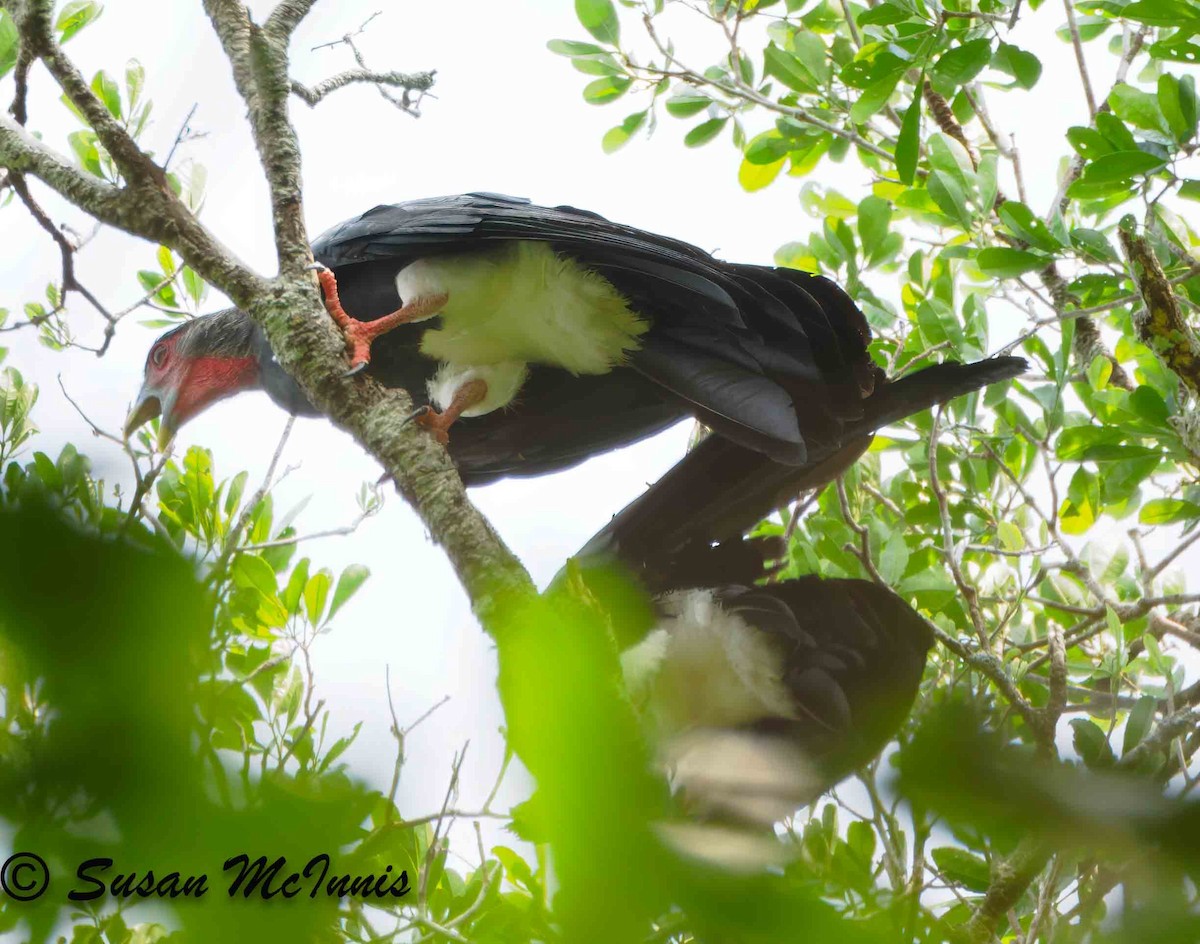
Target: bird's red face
x: 182, y: 378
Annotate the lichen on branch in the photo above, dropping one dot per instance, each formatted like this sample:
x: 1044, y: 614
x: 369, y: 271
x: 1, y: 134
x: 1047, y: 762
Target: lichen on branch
x: 1160, y: 323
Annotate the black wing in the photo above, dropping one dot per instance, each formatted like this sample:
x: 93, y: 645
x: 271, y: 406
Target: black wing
x: 773, y: 359
x: 854, y: 654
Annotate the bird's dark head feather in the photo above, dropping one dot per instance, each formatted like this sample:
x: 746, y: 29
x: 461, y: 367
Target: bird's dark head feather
x: 194, y: 365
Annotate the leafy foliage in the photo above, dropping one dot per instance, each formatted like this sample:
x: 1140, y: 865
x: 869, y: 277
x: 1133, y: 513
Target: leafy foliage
x: 999, y: 518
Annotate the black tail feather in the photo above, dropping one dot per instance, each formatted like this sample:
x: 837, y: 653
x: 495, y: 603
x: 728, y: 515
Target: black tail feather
x: 721, y: 489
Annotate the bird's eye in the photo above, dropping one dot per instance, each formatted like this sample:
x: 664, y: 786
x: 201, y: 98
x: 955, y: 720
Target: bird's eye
x: 158, y: 356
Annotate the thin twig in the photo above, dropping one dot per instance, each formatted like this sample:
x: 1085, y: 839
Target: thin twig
x: 1077, y: 43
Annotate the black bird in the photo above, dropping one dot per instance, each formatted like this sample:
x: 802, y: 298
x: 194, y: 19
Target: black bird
x: 557, y: 333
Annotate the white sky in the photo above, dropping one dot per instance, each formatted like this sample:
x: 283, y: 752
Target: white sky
x: 508, y: 117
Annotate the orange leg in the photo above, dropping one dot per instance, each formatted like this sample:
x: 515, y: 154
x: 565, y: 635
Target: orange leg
x: 465, y: 397
x: 360, y: 334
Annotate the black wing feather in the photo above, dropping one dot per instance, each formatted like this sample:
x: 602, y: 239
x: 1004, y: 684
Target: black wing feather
x: 854, y: 654
x: 767, y: 357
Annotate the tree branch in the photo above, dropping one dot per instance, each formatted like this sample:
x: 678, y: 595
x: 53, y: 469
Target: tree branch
x: 286, y: 17
x: 1160, y: 324
x: 1077, y: 43
x: 409, y: 82
x: 126, y: 209
x: 311, y: 350
x: 1010, y: 878
x: 260, y: 71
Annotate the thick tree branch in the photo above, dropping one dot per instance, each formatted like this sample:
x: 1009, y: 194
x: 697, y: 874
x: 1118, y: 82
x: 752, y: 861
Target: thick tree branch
x: 311, y: 350
x: 260, y: 71
x: 1010, y: 878
x: 20, y: 152
x: 286, y: 17
x: 1160, y: 324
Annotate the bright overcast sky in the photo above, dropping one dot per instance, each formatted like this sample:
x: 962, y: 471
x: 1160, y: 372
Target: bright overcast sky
x: 508, y: 117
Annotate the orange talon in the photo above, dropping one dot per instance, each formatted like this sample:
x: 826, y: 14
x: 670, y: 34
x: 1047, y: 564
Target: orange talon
x: 360, y: 334
x: 465, y: 397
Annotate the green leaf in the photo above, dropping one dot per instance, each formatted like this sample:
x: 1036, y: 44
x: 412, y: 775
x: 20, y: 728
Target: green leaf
x: 1148, y: 404
x: 908, y: 144
x: 83, y: 143
x: 606, y: 89
x: 894, y: 558
x: 1122, y: 165
x: 75, y: 16
x: 348, y: 583
x: 874, y: 97
x: 1080, y: 443
x: 1168, y: 511
x: 1091, y: 744
x: 193, y: 284
x: 1024, y: 223
x: 1005, y: 263
x: 686, y: 104
x: 599, y: 17
x: 813, y: 54
x: 1170, y: 13
x: 949, y: 197
x: 874, y: 218
x: 316, y: 590
x: 1082, y: 505
x: 618, y: 137
x: 1089, y: 143
x: 788, y: 69
x: 1136, y: 107
x: 1141, y: 717
x: 1093, y: 243
x: 135, y: 81
x: 963, y: 867
x: 10, y: 40
x: 704, y: 132
x: 571, y: 48
x: 295, y: 586
x: 1177, y: 102
x: 1114, y: 131
x: 768, y: 147
x: 1023, y: 66
x: 1176, y: 50
x: 106, y: 88
x: 250, y: 570
x: 962, y: 63
x: 1010, y: 535
x: 885, y: 14
x: 754, y: 176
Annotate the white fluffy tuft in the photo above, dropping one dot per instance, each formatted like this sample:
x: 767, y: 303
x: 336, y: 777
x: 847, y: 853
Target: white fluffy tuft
x: 504, y: 382
x: 717, y: 671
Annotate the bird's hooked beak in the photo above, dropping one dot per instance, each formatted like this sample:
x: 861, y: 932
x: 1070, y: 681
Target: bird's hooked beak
x: 152, y: 402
